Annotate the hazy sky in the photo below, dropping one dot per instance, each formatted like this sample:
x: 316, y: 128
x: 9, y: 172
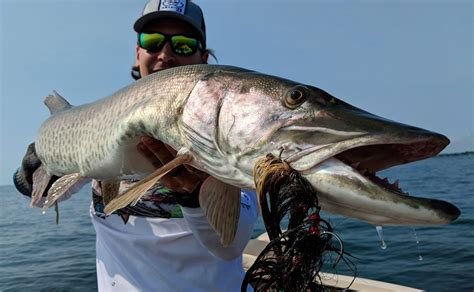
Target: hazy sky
x: 410, y: 61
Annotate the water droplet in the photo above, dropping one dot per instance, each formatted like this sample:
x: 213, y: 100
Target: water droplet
x: 43, y: 212
x: 380, y: 233
x: 420, y: 257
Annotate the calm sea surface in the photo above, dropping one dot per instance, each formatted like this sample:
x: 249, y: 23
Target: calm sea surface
x: 36, y: 254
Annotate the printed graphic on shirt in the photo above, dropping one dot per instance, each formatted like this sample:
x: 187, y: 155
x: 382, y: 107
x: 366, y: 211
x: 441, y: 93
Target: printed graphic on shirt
x: 245, y: 201
x: 157, y: 202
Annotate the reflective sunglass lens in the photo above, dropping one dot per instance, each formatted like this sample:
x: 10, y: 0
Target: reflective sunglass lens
x: 183, y: 45
x: 151, y: 41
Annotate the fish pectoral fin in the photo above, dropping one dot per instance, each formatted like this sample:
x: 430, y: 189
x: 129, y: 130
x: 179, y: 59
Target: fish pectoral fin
x: 41, y: 180
x: 132, y: 195
x: 221, y: 205
x: 60, y: 188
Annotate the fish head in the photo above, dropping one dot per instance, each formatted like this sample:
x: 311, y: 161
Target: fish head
x: 305, y: 125
x: 337, y: 147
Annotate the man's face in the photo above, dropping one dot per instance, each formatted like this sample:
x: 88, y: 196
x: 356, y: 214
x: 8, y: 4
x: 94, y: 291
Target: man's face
x: 150, y: 62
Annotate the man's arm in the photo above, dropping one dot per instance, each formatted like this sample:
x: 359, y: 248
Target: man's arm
x: 188, y: 181
x: 183, y: 179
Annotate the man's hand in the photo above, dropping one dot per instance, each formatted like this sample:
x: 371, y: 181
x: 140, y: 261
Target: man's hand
x: 184, y: 179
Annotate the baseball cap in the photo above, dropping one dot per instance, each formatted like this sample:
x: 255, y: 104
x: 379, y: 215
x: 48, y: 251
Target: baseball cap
x: 183, y: 10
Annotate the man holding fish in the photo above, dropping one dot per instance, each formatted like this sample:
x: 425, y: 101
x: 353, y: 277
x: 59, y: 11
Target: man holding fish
x: 221, y: 120
x: 164, y: 242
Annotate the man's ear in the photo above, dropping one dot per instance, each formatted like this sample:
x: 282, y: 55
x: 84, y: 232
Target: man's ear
x: 136, y: 68
x: 137, y: 55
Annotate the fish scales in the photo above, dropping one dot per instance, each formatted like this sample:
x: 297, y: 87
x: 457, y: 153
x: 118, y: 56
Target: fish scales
x: 81, y: 138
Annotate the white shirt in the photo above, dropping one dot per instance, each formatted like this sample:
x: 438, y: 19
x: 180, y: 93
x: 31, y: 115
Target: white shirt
x: 175, y: 254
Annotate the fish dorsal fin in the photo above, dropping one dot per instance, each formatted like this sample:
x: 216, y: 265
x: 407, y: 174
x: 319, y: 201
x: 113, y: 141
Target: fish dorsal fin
x: 132, y: 195
x: 60, y: 188
x: 56, y: 103
x: 41, y: 180
x: 221, y: 205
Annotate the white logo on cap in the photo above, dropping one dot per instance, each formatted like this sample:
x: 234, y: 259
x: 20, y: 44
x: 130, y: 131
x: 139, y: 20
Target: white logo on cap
x: 173, y: 5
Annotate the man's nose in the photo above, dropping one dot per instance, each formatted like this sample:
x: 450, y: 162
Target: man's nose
x: 166, y: 54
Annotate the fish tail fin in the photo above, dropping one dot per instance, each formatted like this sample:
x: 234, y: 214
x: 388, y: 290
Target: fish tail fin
x: 41, y: 180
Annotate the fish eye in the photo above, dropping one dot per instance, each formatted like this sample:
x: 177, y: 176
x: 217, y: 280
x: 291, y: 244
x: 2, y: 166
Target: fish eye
x: 295, y: 97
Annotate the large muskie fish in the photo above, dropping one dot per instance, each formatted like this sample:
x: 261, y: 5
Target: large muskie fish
x: 221, y: 120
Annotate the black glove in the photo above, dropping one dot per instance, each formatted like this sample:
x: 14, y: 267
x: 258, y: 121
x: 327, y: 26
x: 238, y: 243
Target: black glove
x: 23, y: 178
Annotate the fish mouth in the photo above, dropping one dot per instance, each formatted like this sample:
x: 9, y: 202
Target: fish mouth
x: 368, y: 159
x: 370, y: 152
x: 370, y: 142
x: 373, y: 158
x: 369, y: 197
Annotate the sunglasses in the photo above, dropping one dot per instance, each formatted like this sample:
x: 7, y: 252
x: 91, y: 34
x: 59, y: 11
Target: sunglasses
x: 181, y: 45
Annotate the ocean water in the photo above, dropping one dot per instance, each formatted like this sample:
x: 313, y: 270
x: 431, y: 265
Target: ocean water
x: 38, y: 255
